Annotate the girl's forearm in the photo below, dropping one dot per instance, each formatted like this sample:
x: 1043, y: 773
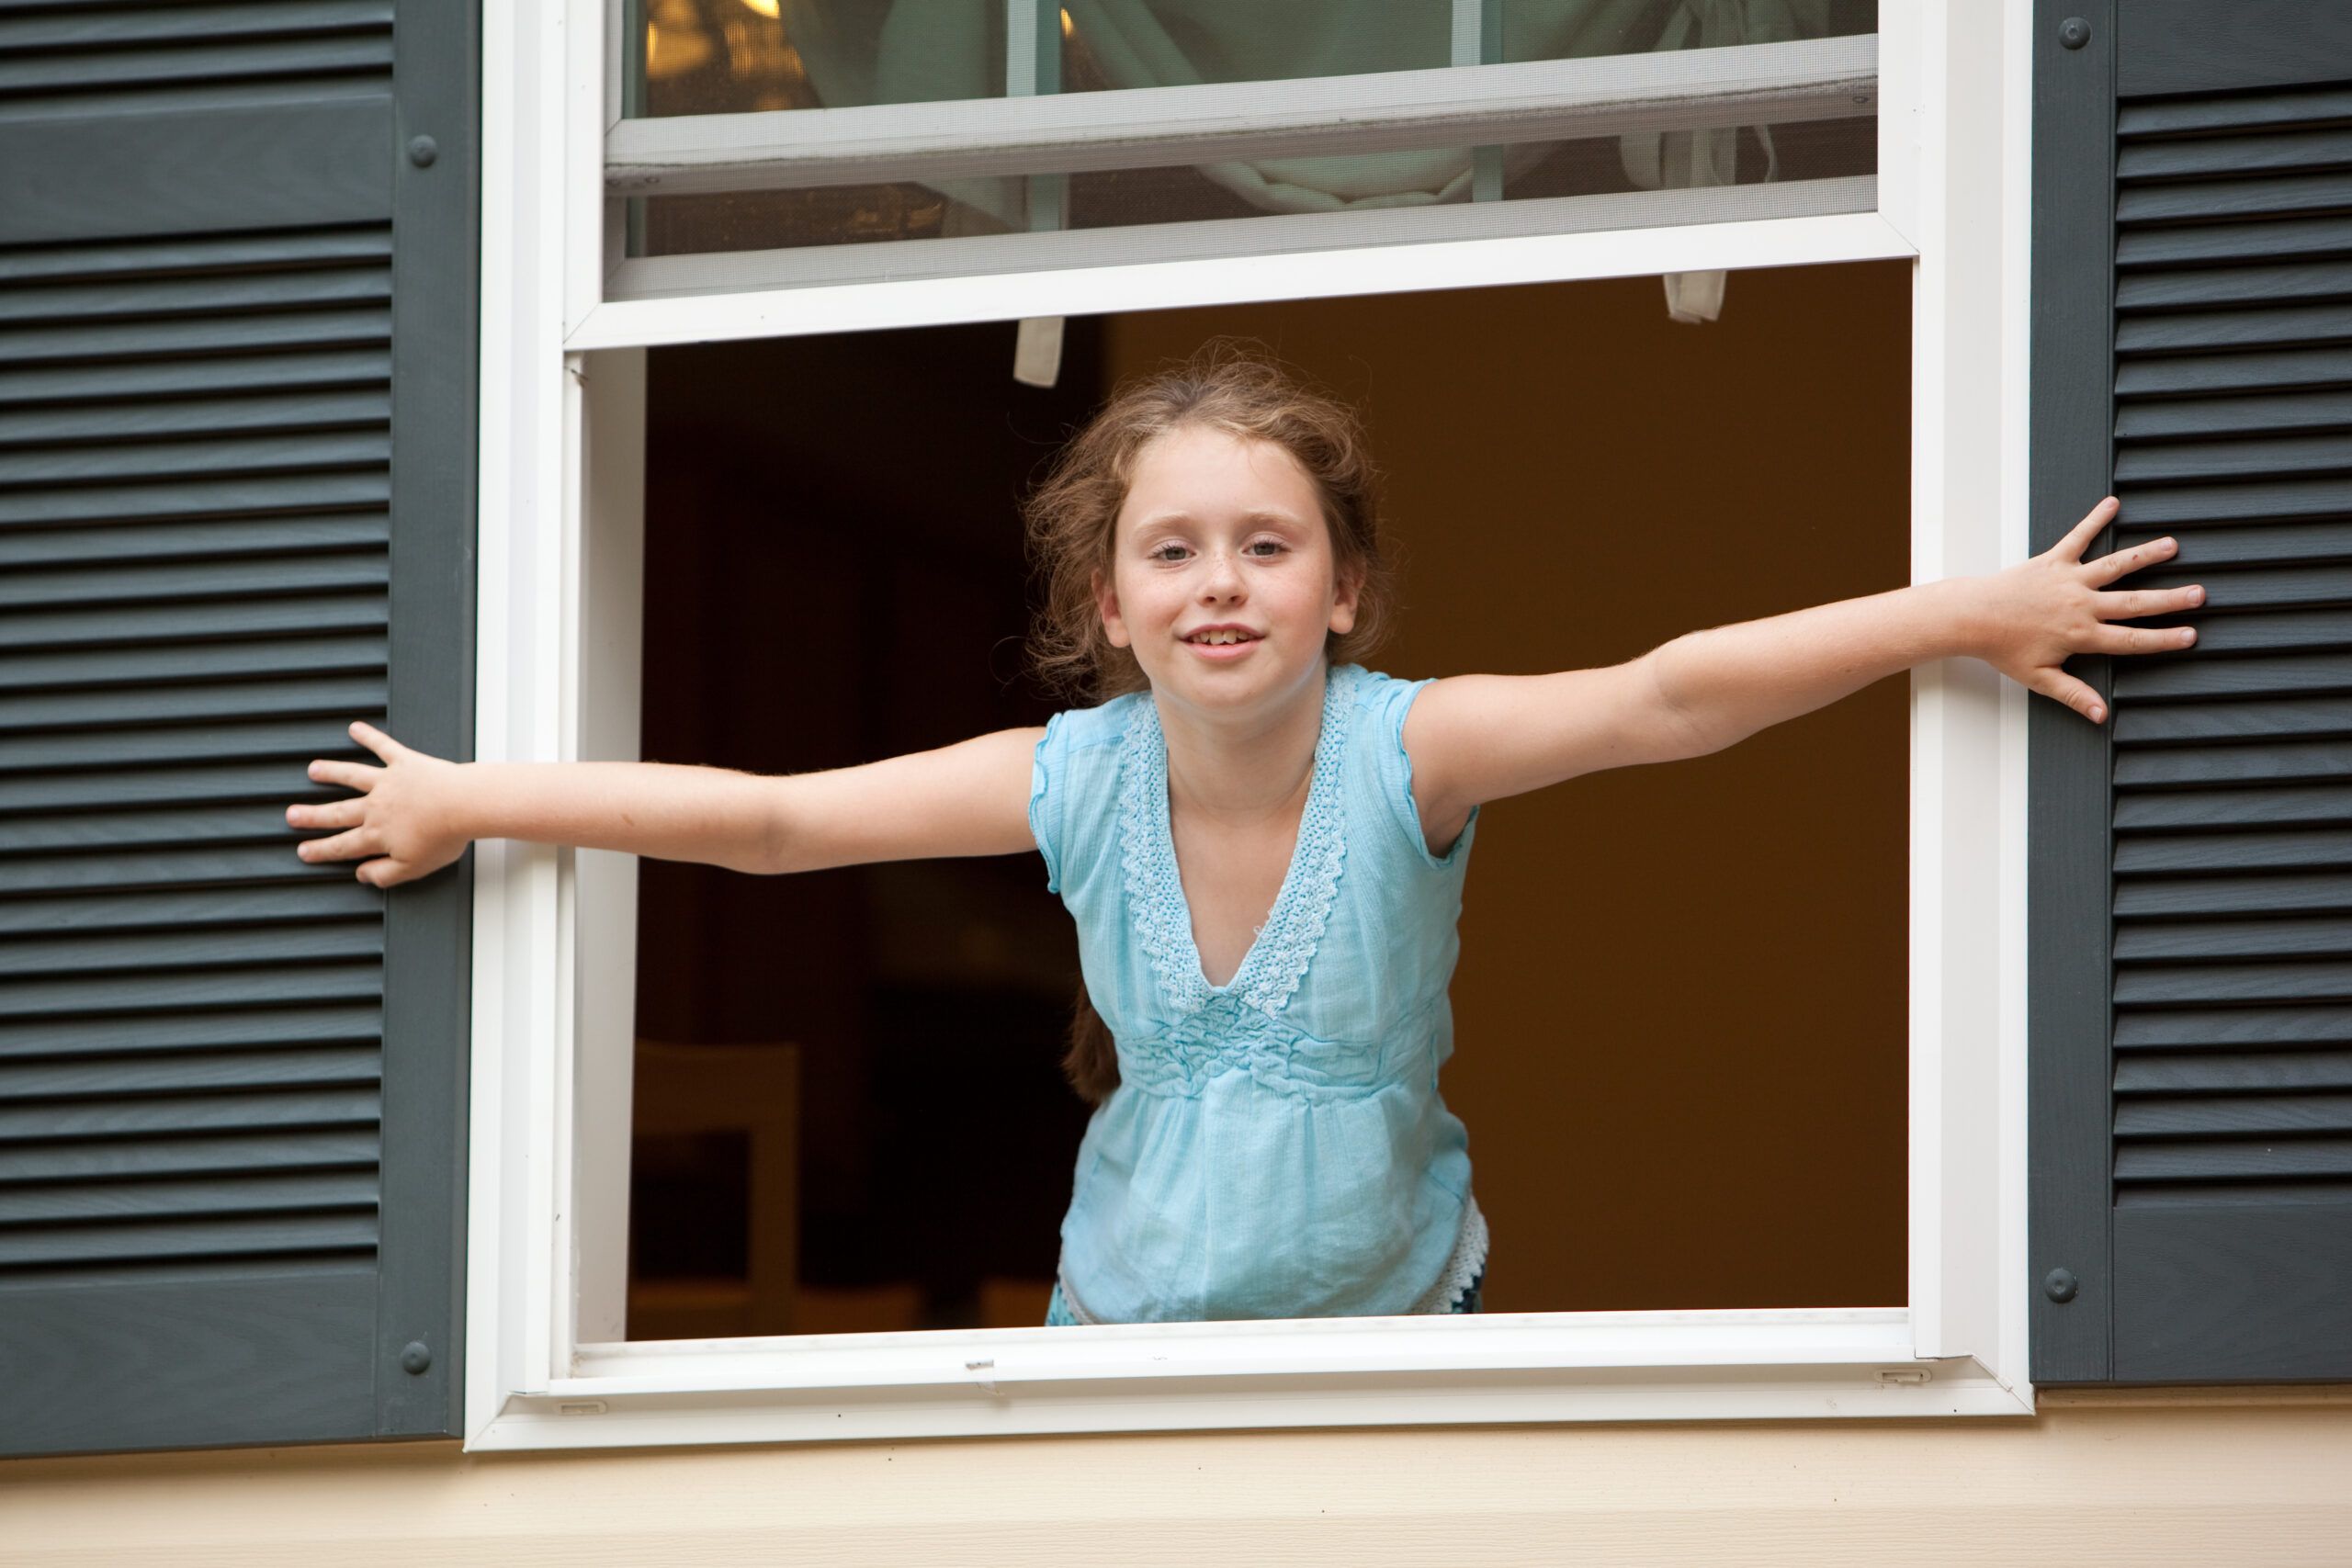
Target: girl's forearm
x: 1724, y: 684
x: 668, y: 812
x: 417, y: 813
x: 1481, y: 738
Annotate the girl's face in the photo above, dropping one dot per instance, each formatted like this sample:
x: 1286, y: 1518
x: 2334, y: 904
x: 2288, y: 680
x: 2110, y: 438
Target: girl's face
x: 1223, y: 579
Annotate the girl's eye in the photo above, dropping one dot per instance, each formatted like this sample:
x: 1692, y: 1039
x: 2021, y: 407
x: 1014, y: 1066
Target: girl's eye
x: 1169, y: 553
x: 1264, y: 547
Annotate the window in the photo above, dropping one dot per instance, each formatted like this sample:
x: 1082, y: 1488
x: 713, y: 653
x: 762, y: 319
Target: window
x: 564, y: 470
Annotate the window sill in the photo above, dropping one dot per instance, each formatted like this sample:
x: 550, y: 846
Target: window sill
x: 1794, y: 1364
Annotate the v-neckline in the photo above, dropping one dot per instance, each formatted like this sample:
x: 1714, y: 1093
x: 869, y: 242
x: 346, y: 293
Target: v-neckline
x: 1156, y: 881
x: 1167, y: 826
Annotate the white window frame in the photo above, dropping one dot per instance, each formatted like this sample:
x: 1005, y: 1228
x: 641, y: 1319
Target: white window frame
x: 561, y: 540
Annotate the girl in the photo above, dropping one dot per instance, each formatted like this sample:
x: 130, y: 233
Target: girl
x: 1262, y: 842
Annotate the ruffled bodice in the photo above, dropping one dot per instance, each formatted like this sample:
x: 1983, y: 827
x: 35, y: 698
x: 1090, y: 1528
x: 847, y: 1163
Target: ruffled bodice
x: 1277, y: 1146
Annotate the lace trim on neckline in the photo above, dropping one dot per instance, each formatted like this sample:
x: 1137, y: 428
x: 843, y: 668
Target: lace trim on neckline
x: 1278, y: 960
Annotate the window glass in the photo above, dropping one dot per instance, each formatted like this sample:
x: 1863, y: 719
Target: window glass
x: 731, y: 56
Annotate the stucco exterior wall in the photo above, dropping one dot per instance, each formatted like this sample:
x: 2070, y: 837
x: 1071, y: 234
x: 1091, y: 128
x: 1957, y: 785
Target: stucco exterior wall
x: 2223, y: 1478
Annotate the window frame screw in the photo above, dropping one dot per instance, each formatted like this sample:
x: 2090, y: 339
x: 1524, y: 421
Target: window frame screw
x: 2074, y: 32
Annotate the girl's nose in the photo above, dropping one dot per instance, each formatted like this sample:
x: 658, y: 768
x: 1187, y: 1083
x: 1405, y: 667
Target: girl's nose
x: 1224, y: 578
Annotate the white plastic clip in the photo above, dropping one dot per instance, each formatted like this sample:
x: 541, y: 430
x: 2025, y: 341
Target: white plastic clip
x: 1038, y: 351
x: 984, y: 1373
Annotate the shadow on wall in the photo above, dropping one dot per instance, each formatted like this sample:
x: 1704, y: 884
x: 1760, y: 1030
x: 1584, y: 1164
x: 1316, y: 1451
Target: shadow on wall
x: 1681, y: 1004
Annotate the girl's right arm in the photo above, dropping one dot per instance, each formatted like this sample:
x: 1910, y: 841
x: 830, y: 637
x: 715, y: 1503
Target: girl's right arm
x: 416, y: 813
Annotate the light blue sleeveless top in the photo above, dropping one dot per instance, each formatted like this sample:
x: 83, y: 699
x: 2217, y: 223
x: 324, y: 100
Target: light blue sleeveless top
x: 1277, y: 1146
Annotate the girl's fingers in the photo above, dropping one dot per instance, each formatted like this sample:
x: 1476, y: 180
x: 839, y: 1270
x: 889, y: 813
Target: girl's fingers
x: 376, y: 741
x: 2123, y: 563
x: 384, y: 873
x: 2142, y: 640
x: 350, y: 775
x: 2140, y: 602
x: 334, y: 814
x: 354, y: 845
x: 390, y: 871
x: 2054, y: 683
x: 2072, y: 546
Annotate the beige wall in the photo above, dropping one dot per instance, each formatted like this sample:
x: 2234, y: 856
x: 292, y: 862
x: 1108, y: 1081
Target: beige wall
x: 2080, y: 1486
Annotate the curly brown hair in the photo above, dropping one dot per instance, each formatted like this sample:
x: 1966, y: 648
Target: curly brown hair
x: 1073, y: 516
x: 1073, y: 520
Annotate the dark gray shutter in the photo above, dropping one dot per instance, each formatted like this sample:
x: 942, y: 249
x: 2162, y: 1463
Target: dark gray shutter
x: 2192, y: 881
x: 237, y: 369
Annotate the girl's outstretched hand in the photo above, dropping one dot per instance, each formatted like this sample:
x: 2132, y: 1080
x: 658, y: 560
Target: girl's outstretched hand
x: 2032, y: 617
x: 401, y: 825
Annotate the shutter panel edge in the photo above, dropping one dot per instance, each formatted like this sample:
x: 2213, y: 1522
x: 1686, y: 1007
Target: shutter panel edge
x: 428, y: 934
x: 2067, y: 845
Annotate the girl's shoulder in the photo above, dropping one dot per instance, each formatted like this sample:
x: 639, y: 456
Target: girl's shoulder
x: 1381, y: 770
x: 1075, y: 731
x: 1380, y: 701
x: 1075, y: 784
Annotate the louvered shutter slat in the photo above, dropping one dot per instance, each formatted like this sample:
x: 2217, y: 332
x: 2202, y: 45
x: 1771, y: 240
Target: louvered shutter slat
x: 288, y: 1194
x: 331, y: 367
x: 98, y: 671
x: 166, y: 910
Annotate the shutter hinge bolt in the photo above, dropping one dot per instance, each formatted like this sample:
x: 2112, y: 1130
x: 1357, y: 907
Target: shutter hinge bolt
x: 2059, y: 1284
x: 2074, y: 32
x: 421, y: 151
x: 415, y: 1359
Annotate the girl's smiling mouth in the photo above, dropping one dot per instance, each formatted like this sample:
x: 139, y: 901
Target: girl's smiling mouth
x: 1225, y: 641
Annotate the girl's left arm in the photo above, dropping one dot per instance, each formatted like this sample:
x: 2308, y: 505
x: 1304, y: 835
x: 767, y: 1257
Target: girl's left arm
x: 1479, y: 738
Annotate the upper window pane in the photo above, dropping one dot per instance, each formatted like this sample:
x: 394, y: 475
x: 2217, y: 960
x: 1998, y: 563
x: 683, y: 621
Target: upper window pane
x: 736, y: 56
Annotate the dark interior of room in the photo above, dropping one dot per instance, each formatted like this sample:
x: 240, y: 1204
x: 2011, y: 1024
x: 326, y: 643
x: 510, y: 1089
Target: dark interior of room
x: 1681, y: 1003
